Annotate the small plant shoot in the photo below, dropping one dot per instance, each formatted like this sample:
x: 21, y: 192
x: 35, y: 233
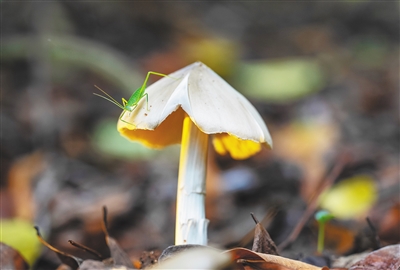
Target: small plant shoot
x: 131, y: 104
x: 322, y: 217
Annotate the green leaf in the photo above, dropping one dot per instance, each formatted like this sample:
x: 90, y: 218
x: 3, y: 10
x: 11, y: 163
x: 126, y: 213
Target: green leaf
x: 280, y: 80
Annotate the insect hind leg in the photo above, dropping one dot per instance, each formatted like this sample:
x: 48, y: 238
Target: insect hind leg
x: 152, y: 73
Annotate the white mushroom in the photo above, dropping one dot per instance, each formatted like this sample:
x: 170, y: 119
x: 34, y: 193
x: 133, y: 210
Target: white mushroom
x: 186, y: 107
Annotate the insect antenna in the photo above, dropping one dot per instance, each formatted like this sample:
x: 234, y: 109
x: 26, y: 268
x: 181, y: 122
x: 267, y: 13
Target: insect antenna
x: 108, y: 97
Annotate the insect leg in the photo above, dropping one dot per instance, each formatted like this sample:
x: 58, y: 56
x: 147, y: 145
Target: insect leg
x: 122, y: 115
x: 148, y: 75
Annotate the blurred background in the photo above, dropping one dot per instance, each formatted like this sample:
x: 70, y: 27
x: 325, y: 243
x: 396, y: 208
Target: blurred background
x: 323, y: 75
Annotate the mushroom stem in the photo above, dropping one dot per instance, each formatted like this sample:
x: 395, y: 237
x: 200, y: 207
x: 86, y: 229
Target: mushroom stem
x: 191, y: 224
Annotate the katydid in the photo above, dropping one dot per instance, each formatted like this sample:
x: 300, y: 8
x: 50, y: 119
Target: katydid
x: 131, y: 104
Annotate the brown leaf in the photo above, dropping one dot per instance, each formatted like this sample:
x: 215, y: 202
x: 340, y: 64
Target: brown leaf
x: 11, y: 259
x: 387, y: 258
x: 262, y: 241
x: 249, y: 260
x: 117, y: 254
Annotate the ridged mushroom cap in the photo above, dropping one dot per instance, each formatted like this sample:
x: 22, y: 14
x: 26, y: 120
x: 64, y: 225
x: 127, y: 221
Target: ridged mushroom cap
x: 214, y: 106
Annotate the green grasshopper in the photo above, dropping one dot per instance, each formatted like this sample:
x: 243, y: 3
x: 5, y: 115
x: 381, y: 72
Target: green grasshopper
x: 131, y: 104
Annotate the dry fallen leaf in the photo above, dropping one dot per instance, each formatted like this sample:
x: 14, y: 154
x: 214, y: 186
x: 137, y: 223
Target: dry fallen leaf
x: 117, y: 254
x: 119, y: 259
x: 387, y: 258
x: 11, y: 258
x: 262, y: 241
x: 249, y: 260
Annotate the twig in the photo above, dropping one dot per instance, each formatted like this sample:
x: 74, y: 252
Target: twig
x: 254, y: 218
x: 104, y: 223
x: 87, y: 249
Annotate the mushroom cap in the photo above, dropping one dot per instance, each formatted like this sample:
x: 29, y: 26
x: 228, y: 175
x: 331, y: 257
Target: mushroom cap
x: 212, y: 104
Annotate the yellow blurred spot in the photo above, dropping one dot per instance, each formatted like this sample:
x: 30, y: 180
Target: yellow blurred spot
x: 218, y: 53
x: 20, y: 235
x: 238, y: 149
x: 351, y: 198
